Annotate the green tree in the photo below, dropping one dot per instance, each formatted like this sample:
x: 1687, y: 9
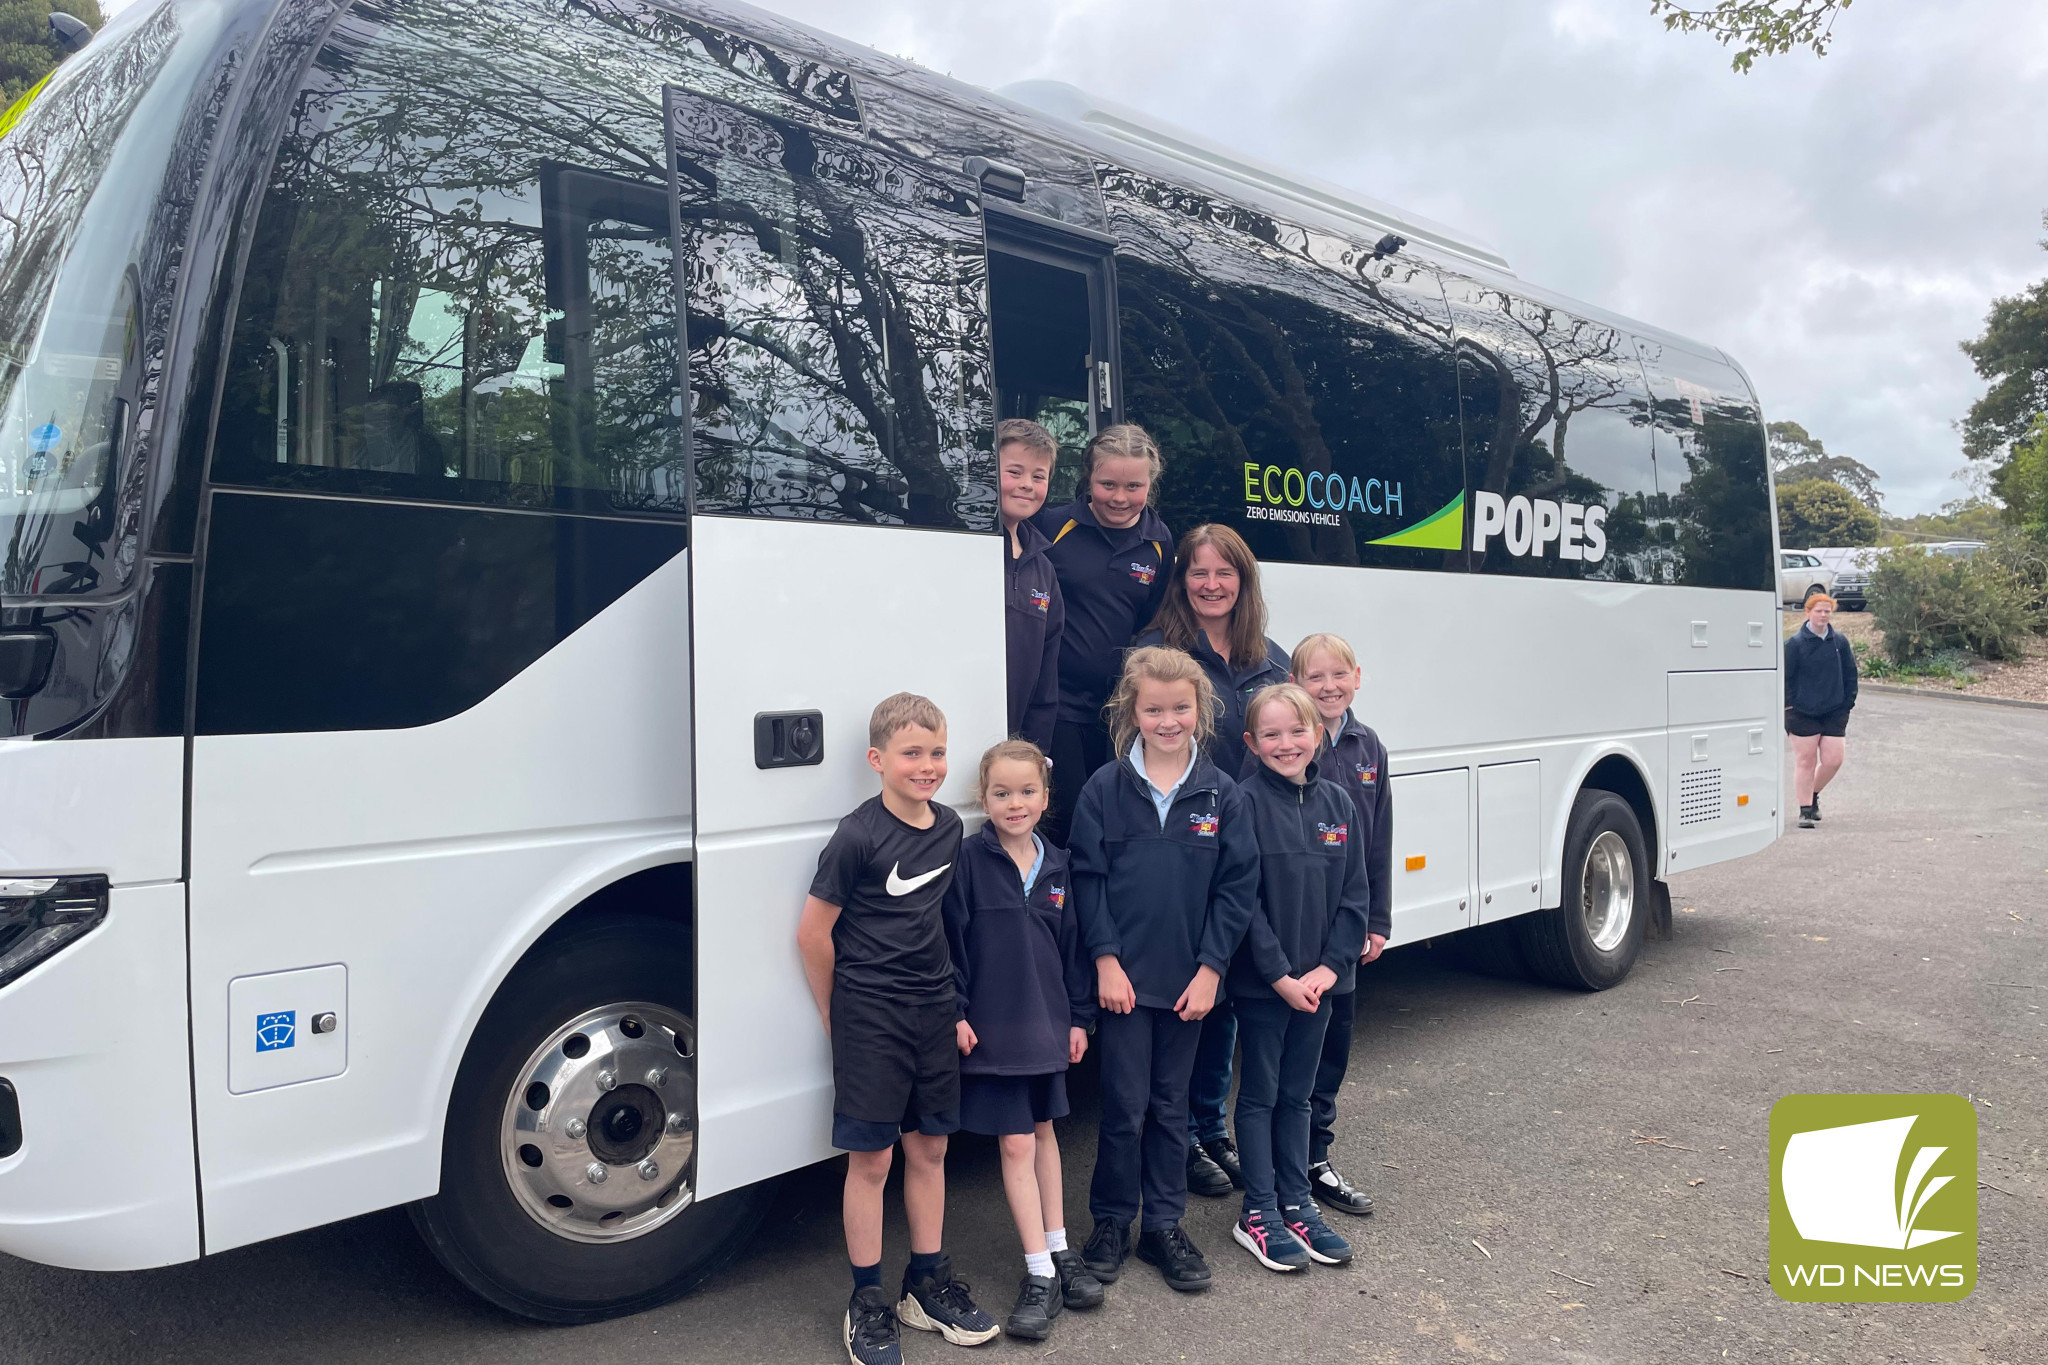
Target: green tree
x: 1966, y: 518
x: 2022, y: 481
x: 1797, y: 456
x: 1822, y: 512
x: 2012, y: 356
x: 27, y: 52
x: 1761, y: 28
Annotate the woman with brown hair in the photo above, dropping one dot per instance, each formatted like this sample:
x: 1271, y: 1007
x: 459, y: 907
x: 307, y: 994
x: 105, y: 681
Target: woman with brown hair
x: 1214, y: 611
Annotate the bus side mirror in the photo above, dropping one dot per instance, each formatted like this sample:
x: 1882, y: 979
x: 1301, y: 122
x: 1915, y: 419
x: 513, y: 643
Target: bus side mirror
x: 69, y: 32
x: 25, y: 657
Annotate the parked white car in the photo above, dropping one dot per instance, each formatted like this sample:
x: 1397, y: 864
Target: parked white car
x: 1852, y: 566
x: 1801, y: 575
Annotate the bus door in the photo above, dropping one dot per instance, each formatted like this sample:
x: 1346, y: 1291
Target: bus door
x: 840, y: 403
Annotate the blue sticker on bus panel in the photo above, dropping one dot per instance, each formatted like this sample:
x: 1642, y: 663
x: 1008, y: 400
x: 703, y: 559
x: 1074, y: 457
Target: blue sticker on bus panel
x: 275, y: 1031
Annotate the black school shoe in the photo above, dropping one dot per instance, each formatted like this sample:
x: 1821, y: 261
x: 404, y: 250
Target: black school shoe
x: 1808, y: 817
x: 1107, y: 1246
x: 1038, y: 1303
x: 1170, y: 1250
x: 1815, y: 808
x: 1223, y: 1152
x: 870, y: 1329
x: 1078, y: 1286
x: 939, y: 1303
x: 1205, y: 1177
x: 1333, y: 1191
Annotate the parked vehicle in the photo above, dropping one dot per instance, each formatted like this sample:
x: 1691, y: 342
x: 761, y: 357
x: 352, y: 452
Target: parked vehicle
x: 1801, y: 575
x: 1852, y: 566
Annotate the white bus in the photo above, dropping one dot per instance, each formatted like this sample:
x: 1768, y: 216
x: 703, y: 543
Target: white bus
x: 432, y: 655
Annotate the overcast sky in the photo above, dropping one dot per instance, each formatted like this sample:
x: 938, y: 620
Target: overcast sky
x: 1837, y: 224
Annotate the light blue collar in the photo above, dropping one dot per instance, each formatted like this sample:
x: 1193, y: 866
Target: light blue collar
x: 1037, y: 864
x: 1162, y: 801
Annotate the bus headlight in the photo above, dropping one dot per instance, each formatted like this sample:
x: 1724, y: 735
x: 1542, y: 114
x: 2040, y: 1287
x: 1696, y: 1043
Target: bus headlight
x: 40, y: 916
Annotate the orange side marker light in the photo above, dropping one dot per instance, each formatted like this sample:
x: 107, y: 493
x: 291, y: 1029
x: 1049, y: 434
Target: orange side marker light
x: 1742, y: 800
x: 1415, y: 863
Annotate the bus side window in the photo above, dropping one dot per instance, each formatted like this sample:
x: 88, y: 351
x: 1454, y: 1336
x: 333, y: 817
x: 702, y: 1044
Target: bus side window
x: 1301, y: 389
x: 1712, y: 469
x: 838, y: 325
x: 1557, y: 416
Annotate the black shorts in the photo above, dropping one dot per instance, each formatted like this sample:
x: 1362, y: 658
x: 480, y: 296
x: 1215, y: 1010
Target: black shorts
x: 1834, y: 723
x: 1005, y: 1105
x: 895, y: 1069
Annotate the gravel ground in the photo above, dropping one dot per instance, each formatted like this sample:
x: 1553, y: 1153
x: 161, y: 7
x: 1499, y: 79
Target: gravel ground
x: 1562, y: 1178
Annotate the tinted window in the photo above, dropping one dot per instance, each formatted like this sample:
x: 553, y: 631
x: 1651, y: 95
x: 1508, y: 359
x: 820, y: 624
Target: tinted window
x: 838, y: 325
x: 1557, y: 424
x: 1713, y: 478
x: 1301, y: 391
x: 441, y: 303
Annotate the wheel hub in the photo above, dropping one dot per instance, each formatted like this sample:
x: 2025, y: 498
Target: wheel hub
x: 599, y: 1126
x: 1607, y: 890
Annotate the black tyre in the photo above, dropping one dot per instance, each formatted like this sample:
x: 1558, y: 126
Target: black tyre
x: 1813, y: 590
x: 1592, y: 939
x: 566, y: 1164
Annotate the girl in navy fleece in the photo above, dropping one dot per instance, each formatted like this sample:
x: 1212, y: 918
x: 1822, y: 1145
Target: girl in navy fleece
x: 1026, y: 999
x: 1165, y: 869
x: 1113, y: 555
x: 1301, y: 949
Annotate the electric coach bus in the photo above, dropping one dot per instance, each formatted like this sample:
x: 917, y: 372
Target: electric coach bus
x: 468, y: 470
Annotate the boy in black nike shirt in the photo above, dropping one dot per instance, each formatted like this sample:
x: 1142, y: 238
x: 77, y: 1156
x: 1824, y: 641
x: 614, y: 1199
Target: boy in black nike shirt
x: 873, y: 939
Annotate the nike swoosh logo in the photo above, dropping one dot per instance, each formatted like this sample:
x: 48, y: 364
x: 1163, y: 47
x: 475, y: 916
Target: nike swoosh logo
x: 896, y: 886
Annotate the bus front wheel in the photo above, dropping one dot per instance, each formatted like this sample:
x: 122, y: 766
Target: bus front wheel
x: 1592, y: 939
x: 566, y: 1166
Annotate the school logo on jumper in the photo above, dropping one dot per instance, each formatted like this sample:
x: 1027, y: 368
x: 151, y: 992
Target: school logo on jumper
x: 1041, y: 599
x: 1203, y: 823
x: 1369, y: 773
x: 1539, y: 528
x: 903, y: 886
x: 1144, y: 573
x: 1873, y: 1198
x: 1058, y: 896
x: 1333, y: 836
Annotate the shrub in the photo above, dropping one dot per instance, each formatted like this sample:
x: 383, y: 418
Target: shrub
x: 1926, y: 603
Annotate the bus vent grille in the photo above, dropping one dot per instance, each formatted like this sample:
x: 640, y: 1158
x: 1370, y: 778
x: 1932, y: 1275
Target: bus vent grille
x: 1699, y: 796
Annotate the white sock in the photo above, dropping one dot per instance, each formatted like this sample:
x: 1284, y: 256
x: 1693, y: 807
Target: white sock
x: 1038, y: 1263
x: 1056, y: 1239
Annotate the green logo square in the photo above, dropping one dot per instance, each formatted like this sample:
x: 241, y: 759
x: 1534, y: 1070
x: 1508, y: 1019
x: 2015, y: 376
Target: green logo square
x: 1873, y: 1198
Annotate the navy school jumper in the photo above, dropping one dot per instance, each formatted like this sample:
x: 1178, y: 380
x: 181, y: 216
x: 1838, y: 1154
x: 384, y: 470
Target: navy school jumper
x: 1356, y: 761
x: 1023, y: 977
x: 1313, y: 890
x: 1111, y: 583
x: 1164, y: 900
x: 1236, y: 683
x: 1034, y: 622
x: 1820, y: 672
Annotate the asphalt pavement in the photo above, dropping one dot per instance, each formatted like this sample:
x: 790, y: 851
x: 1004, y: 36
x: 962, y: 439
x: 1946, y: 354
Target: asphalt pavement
x: 1561, y: 1177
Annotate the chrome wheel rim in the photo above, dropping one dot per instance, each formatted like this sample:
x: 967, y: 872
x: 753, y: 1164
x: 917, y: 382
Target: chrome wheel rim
x: 600, y: 1124
x: 1607, y: 890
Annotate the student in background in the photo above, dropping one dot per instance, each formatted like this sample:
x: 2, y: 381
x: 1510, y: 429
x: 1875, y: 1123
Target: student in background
x: 1165, y: 870
x: 1112, y: 554
x: 1325, y: 667
x: 1820, y: 692
x: 1214, y: 611
x: 1035, y: 616
x: 873, y: 942
x: 1027, y: 997
x: 1301, y: 949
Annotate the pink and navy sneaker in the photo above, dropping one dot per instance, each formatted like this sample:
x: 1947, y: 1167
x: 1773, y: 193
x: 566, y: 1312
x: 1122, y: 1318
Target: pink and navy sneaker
x: 1270, y: 1241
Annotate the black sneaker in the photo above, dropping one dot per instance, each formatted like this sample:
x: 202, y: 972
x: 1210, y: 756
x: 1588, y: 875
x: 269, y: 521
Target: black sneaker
x: 1106, y: 1249
x: 1815, y: 808
x: 1223, y: 1152
x: 1808, y: 817
x: 939, y: 1303
x: 1078, y: 1286
x: 1334, y: 1191
x: 870, y: 1333
x: 1170, y: 1250
x: 1038, y: 1303
x: 1205, y: 1177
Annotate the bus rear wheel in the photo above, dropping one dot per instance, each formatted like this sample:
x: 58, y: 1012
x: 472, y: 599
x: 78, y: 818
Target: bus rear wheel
x: 1592, y: 940
x: 566, y: 1168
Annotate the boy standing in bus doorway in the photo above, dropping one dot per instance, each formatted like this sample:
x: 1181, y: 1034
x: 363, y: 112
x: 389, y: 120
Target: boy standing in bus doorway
x: 873, y: 939
x: 1035, y: 616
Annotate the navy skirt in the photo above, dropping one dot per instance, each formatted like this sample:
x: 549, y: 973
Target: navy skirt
x: 1003, y: 1105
